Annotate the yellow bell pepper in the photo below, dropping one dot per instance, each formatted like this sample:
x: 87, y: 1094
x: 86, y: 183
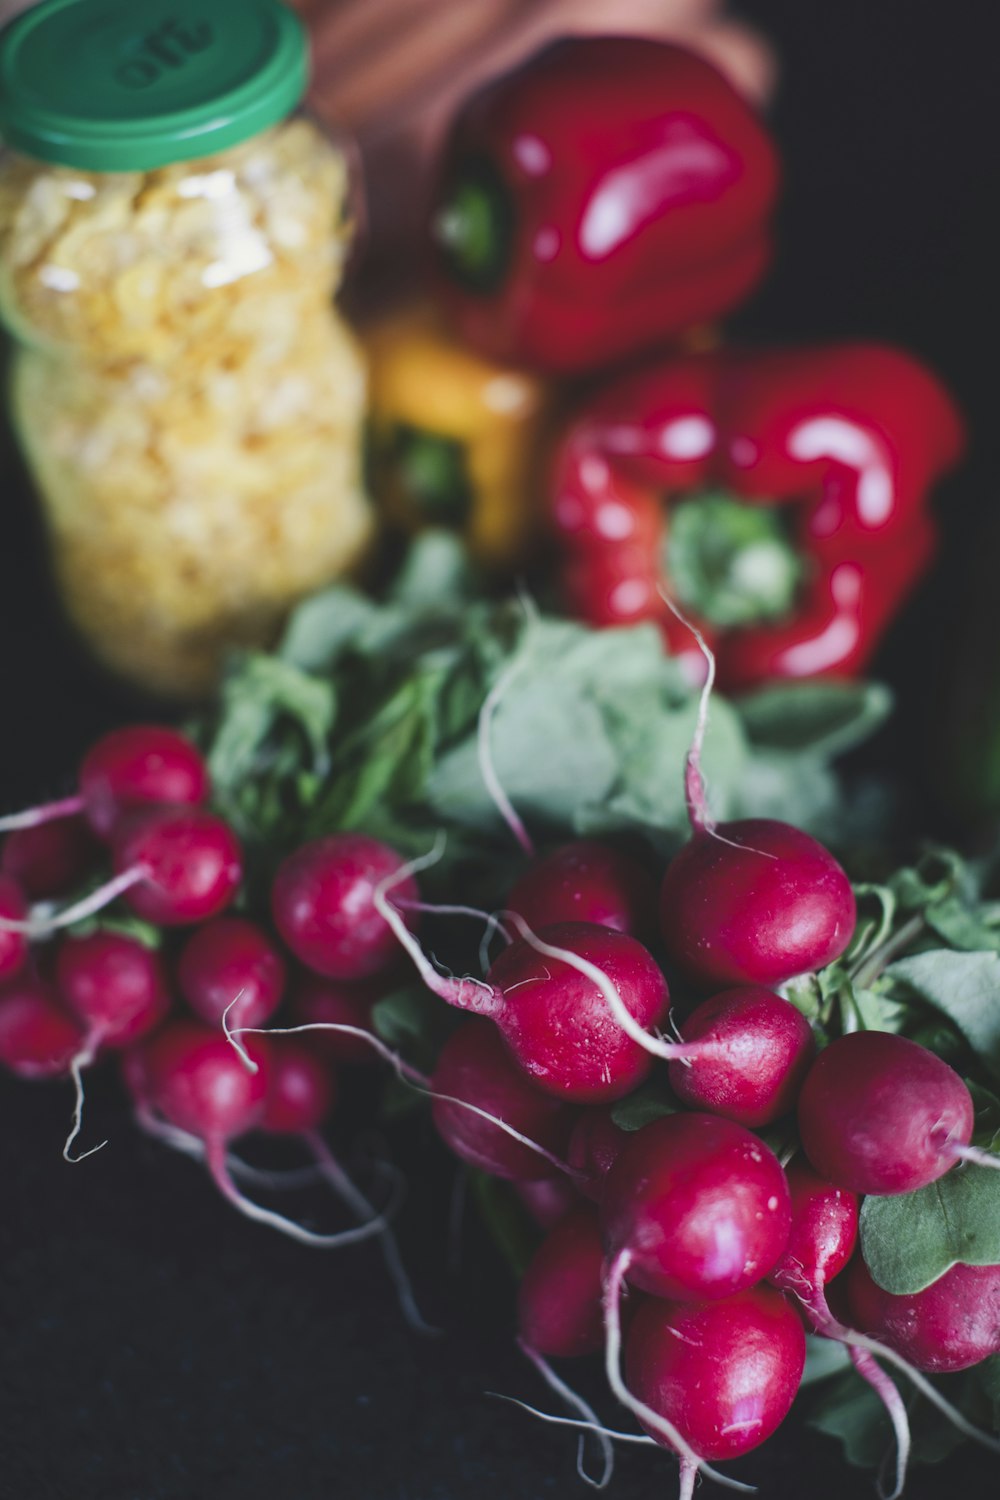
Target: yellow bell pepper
x: 455, y: 439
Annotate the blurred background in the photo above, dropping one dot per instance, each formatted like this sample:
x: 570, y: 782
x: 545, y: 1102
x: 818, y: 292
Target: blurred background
x: 155, y: 1347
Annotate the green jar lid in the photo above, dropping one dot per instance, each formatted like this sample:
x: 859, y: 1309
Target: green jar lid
x: 126, y: 85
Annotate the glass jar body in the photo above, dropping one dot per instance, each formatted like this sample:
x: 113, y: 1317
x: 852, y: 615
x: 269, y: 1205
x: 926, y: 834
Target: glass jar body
x: 187, y: 397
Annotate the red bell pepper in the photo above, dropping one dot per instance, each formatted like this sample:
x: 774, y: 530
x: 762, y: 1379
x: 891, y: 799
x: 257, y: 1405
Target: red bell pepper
x: 778, y: 498
x: 607, y: 195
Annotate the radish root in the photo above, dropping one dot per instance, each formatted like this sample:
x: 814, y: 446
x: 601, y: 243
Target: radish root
x: 575, y: 1403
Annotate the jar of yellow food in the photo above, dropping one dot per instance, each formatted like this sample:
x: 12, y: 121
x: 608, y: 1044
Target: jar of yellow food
x: 172, y: 234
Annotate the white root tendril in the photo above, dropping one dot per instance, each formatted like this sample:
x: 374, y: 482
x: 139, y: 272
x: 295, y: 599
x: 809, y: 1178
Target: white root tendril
x: 487, y: 768
x: 410, y: 1075
x: 576, y: 1403
x: 34, y: 817
x: 974, y: 1154
x: 284, y: 1179
x: 438, y: 909
x: 453, y: 991
x: 78, y: 1064
x: 355, y: 1200
x: 670, y: 1051
x: 690, y: 1461
x: 832, y: 1328
x: 39, y: 927
x: 694, y: 780
x: 890, y: 1398
x: 638, y: 1438
x: 215, y: 1157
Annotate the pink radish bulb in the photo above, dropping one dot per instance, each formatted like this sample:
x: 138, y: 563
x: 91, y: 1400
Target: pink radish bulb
x: 300, y: 1091
x: 142, y: 763
x: 38, y: 1036
x: 758, y: 1050
x: 548, y: 1200
x: 230, y: 964
x: 323, y: 906
x: 557, y: 1022
x: 315, y: 1001
x: 559, y: 1299
x: 114, y: 985
x: 51, y: 858
x: 880, y: 1114
x: 723, y: 1373
x: 594, y: 1147
x: 476, y: 1067
x: 824, y: 1231
x: 194, y: 1077
x: 586, y: 881
x: 13, y: 944
x: 754, y: 902
x: 950, y: 1325
x: 188, y: 864
x: 699, y: 1206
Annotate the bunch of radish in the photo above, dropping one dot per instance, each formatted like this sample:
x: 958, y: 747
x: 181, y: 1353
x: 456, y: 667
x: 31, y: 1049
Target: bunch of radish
x: 686, y: 1250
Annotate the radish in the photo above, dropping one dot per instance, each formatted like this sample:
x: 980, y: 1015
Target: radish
x: 820, y: 1243
x: 586, y: 881
x: 342, y: 1008
x: 114, y: 984
x: 547, y: 1199
x: 755, y: 1051
x: 594, y: 1147
x: 754, y: 902
x: 559, y: 1299
x: 722, y: 1374
x: 878, y: 1113
x: 13, y: 943
x: 190, y: 1075
x: 38, y: 1036
x: 322, y: 900
x: 49, y: 860
x: 475, y: 1066
x: 950, y: 1325
x: 559, y: 1310
x: 187, y: 864
x: 575, y: 1023
x: 231, y: 962
x: 125, y: 769
x: 695, y: 1207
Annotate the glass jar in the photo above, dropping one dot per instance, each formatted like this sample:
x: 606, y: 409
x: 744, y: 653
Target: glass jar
x: 172, y: 234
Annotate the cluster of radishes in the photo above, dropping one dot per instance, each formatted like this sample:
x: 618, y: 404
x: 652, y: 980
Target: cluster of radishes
x: 686, y: 1249
x: 68, y: 999
x: 713, y: 1254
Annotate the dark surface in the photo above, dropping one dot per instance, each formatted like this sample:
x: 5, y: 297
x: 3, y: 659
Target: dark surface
x: 154, y: 1346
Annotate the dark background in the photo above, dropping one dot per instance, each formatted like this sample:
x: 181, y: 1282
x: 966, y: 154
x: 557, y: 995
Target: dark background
x: 153, y: 1346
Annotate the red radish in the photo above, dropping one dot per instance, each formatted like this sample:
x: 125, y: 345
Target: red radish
x: 323, y: 904
x: 695, y: 1207
x: 125, y: 769
x: 950, y: 1325
x: 756, y: 1050
x: 187, y: 864
x: 881, y: 1114
x: 13, y: 943
x: 722, y: 1374
x: 315, y: 1000
x: 475, y: 1067
x: 593, y: 1149
x: 559, y: 1311
x: 300, y: 1089
x: 114, y: 984
x: 586, y: 881
x: 230, y: 965
x: 49, y: 860
x: 198, y: 1083
x: 571, y: 1002
x: 559, y: 1300
x: 548, y: 1200
x: 38, y: 1037
x: 754, y: 902
x: 820, y: 1244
